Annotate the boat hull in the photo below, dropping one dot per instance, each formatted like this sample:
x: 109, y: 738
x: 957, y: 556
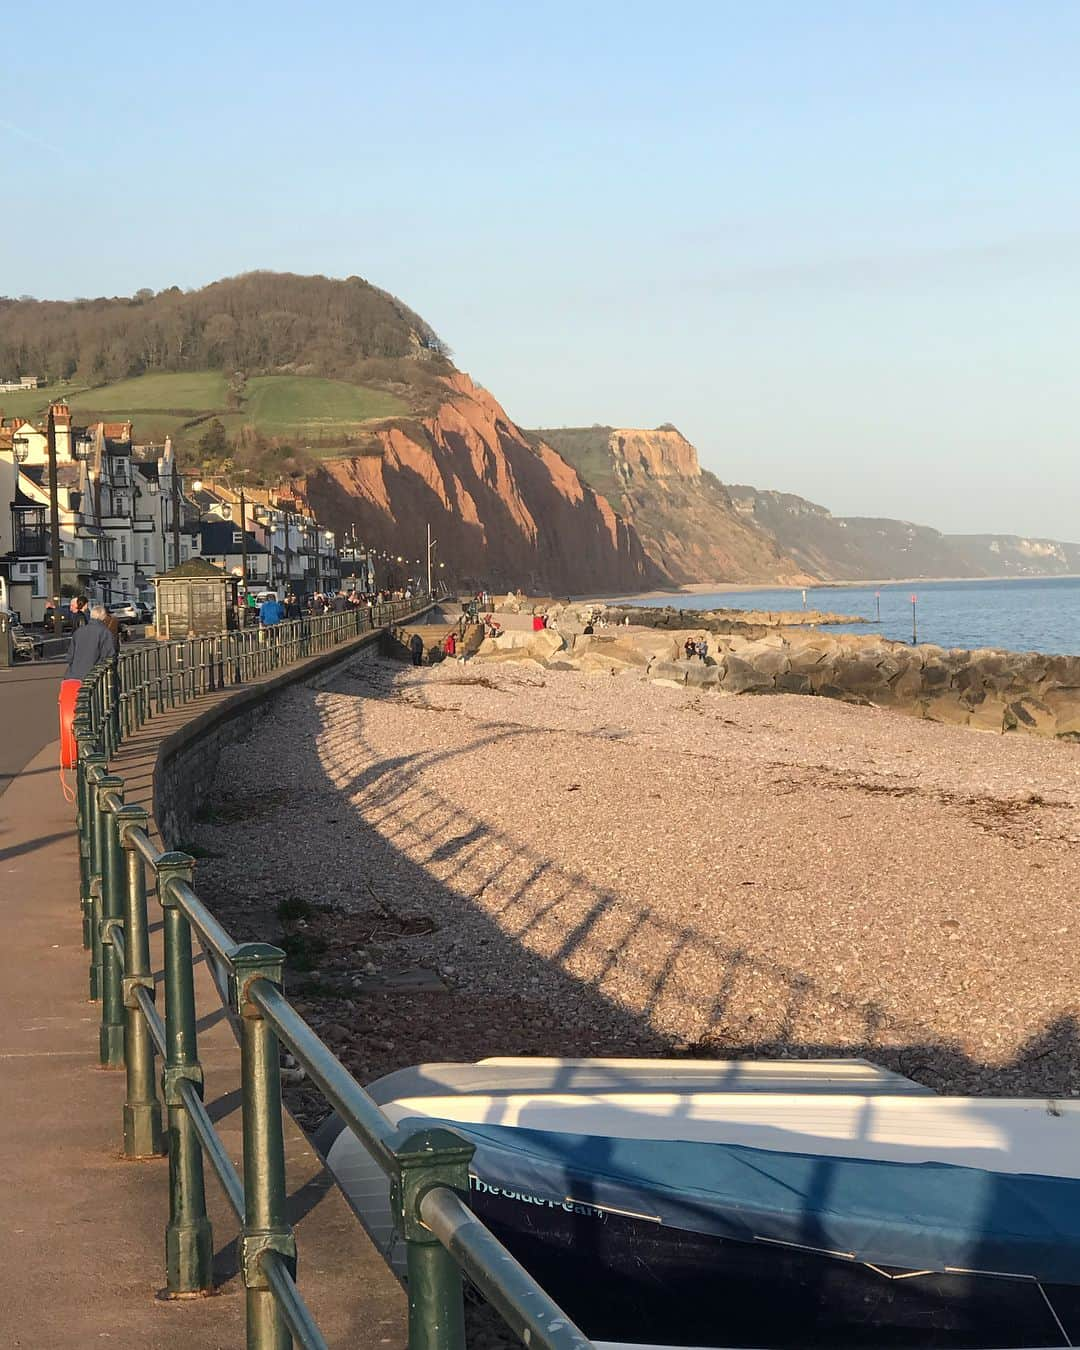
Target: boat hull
x: 628, y: 1280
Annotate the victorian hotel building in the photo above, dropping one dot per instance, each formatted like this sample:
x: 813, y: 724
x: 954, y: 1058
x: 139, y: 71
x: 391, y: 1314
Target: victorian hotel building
x: 115, y: 508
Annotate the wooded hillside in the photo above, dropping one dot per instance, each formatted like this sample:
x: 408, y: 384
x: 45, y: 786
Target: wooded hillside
x: 255, y: 323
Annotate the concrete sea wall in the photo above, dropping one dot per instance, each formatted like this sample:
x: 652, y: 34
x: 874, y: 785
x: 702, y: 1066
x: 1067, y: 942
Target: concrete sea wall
x: 188, y: 758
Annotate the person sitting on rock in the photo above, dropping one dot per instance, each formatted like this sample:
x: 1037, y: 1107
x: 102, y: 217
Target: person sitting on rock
x: 690, y: 648
x: 703, y: 648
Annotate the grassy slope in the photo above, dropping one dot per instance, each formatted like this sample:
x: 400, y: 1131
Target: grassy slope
x: 299, y: 406
x: 35, y: 402
x: 588, y: 450
x: 280, y: 404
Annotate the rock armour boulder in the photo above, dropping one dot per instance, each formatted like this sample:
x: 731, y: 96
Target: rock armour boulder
x: 986, y: 689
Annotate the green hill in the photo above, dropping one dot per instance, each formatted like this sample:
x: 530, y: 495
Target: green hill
x: 275, y: 357
x: 313, y: 413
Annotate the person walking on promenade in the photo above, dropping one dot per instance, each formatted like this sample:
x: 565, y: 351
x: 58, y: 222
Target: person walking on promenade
x: 271, y: 612
x: 91, y: 643
x: 53, y: 618
x: 112, y: 623
x: 80, y: 612
x: 416, y: 649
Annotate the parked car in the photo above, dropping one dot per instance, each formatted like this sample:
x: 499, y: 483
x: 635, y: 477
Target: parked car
x: 126, y: 612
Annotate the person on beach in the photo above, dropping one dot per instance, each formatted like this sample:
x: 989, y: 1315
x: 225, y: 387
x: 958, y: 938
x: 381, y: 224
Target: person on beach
x: 450, y: 646
x: 416, y: 649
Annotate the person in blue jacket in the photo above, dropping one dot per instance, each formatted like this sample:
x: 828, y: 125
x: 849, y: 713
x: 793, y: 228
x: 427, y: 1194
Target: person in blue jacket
x: 271, y: 612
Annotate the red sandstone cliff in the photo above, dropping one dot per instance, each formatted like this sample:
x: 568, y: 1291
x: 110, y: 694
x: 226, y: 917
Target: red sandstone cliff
x: 507, y: 511
x: 684, y: 516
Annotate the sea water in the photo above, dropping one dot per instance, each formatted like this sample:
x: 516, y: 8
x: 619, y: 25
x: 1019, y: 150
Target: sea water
x: 1037, y: 614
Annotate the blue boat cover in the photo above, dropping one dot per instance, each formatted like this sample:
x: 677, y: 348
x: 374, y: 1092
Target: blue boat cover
x: 913, y: 1216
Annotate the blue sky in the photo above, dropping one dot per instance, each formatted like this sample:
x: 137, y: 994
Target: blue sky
x: 837, y: 244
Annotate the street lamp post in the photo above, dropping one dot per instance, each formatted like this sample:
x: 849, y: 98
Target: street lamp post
x: 288, y: 558
x: 243, y: 541
x: 175, y: 477
x: 54, y: 502
x: 430, y: 545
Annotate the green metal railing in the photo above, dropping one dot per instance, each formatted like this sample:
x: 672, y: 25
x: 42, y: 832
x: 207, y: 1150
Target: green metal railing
x: 147, y: 680
x: 427, y: 1169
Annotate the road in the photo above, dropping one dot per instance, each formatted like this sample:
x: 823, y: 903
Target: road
x: 28, y: 717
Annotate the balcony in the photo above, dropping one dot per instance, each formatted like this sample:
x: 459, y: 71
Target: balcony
x: 31, y: 536
x: 33, y: 543
x: 98, y: 562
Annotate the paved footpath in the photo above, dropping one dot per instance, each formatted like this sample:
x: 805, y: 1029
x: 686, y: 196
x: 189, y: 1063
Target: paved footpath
x: 28, y: 713
x: 82, y: 1230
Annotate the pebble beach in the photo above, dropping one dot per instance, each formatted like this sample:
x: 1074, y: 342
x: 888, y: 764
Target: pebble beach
x: 560, y: 863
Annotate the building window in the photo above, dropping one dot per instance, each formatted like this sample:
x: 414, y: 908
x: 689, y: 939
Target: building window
x: 123, y: 550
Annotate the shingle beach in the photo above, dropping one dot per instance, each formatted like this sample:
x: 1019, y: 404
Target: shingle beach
x: 599, y: 865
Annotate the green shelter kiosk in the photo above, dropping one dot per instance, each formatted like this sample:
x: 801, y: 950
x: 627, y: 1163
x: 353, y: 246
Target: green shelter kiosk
x: 194, y: 600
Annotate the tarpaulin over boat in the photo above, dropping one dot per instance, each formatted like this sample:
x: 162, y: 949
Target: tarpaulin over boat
x: 915, y: 1216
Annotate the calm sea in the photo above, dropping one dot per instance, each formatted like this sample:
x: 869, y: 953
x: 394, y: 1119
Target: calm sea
x: 1031, y: 615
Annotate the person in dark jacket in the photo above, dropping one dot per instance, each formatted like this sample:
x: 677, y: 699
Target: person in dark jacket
x: 416, y: 648
x: 91, y: 643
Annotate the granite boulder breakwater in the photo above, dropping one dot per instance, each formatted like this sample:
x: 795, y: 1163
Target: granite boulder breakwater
x: 726, y: 620
x: 987, y: 689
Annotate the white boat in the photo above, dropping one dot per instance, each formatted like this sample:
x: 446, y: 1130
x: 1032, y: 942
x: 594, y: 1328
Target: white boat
x: 758, y: 1203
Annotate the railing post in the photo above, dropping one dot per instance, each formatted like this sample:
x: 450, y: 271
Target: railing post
x: 189, y: 1243
x: 94, y: 774
x: 266, y: 1227
x: 427, y: 1158
x: 111, y: 978
x: 142, y: 1111
x: 83, y: 741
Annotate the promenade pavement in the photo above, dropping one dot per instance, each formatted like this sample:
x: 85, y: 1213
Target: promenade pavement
x: 28, y: 715
x: 83, y: 1230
